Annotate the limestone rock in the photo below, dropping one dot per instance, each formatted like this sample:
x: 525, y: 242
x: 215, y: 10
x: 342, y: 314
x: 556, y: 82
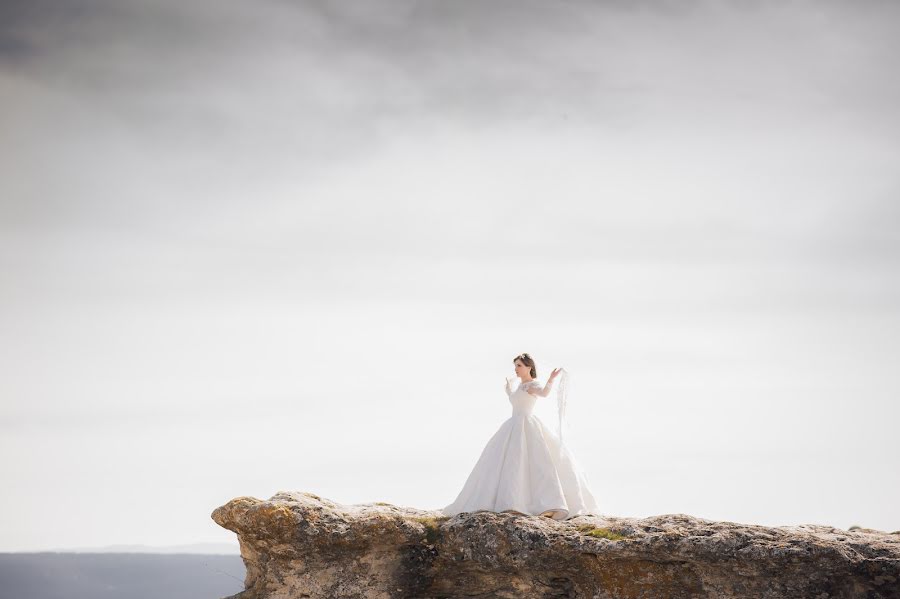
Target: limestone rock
x: 299, y: 545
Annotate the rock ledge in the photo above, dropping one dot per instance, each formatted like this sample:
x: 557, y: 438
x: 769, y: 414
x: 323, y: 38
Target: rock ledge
x: 301, y: 545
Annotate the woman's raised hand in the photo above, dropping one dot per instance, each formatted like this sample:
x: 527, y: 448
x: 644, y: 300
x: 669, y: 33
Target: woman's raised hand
x: 555, y: 372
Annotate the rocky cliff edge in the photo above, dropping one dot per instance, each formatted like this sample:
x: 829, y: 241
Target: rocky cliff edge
x: 298, y: 544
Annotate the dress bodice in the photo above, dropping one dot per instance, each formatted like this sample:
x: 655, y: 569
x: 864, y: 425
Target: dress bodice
x: 522, y: 401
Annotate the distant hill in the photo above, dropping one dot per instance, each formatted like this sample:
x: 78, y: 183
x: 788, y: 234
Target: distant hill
x: 131, y: 575
x: 199, y: 548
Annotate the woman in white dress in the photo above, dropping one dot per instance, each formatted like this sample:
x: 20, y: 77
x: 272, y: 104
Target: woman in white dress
x: 525, y: 467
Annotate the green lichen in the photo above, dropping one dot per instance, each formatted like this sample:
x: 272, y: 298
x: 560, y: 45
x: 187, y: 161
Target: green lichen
x: 601, y: 533
x: 432, y: 527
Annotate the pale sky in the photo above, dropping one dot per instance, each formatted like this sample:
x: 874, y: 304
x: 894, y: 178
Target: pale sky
x: 260, y: 246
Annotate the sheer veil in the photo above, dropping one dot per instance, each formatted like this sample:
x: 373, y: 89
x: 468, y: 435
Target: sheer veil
x: 562, y: 399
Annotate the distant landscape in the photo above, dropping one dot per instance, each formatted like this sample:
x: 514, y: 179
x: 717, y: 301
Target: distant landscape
x: 126, y: 575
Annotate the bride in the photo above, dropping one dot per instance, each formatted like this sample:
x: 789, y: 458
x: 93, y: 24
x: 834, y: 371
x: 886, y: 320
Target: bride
x: 525, y: 467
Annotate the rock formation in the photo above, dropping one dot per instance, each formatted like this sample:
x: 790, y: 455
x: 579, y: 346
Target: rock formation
x: 299, y: 545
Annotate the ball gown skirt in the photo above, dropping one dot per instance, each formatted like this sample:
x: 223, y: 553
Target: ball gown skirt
x: 524, y: 468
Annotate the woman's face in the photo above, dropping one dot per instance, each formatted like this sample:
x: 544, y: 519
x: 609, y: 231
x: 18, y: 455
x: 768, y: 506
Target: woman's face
x: 521, y: 370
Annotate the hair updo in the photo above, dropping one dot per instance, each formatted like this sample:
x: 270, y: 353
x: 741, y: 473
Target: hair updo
x: 527, y: 361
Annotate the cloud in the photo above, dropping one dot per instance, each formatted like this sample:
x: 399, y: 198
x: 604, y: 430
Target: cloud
x: 172, y: 115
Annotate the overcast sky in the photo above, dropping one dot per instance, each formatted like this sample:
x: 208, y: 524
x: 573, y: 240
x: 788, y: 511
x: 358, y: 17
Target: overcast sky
x: 259, y: 246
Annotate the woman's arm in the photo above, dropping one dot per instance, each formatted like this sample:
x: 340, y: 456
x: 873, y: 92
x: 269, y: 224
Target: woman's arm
x: 544, y: 392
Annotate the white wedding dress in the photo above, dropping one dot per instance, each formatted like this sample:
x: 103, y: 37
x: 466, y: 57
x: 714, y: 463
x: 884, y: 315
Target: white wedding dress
x: 525, y: 468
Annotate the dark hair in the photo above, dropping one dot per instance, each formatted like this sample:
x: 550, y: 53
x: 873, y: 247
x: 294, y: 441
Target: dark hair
x: 527, y: 361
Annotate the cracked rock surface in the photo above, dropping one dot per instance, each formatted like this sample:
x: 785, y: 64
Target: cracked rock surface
x: 299, y: 545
